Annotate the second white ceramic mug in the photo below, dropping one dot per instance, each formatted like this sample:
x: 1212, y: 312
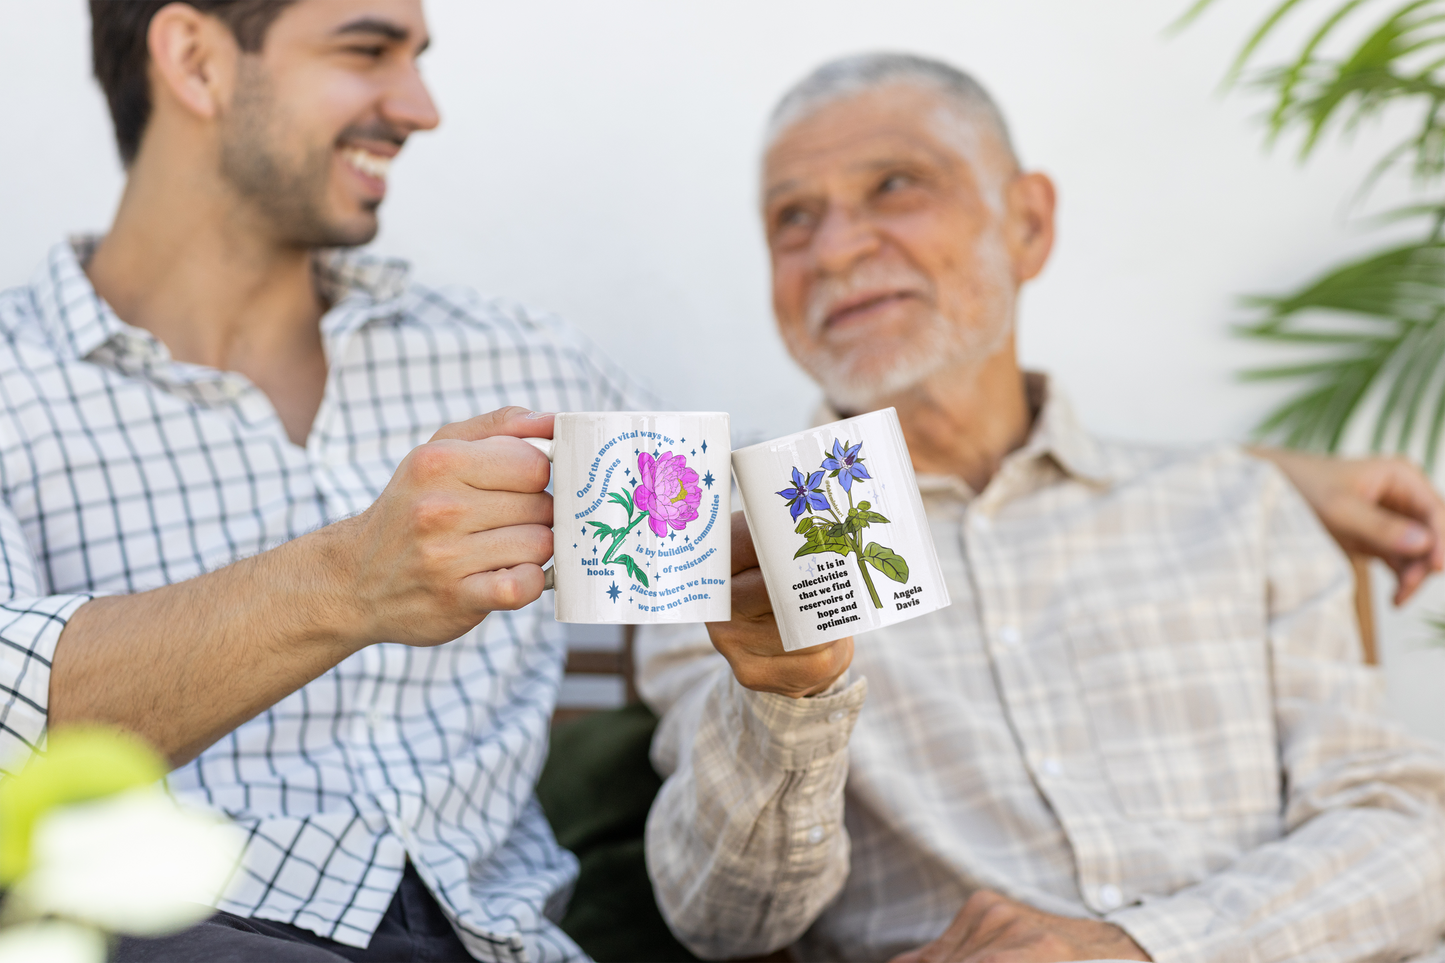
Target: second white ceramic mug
x: 641, y: 516
x: 839, y: 529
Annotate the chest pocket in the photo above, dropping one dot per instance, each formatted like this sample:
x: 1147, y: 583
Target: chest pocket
x: 1177, y: 694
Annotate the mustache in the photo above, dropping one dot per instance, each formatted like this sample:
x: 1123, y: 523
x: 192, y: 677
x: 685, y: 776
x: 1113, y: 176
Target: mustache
x: 373, y: 130
x: 833, y: 290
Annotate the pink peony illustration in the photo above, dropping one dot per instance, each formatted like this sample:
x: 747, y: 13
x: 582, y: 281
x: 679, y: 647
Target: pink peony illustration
x: 667, y: 490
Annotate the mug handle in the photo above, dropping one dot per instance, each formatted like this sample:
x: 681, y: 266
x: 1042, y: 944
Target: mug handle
x: 546, y: 447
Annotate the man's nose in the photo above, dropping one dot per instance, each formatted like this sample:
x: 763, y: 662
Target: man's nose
x: 842, y: 239
x: 409, y: 105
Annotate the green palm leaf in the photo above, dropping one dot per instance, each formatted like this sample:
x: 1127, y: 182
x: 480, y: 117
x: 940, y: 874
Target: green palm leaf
x: 1375, y: 326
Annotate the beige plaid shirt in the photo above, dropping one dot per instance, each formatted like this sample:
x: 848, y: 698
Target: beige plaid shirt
x: 1146, y: 705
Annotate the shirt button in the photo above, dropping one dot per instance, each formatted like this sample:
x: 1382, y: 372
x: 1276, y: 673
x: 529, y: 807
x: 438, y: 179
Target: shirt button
x: 1110, y: 897
x: 1008, y: 635
x: 837, y: 715
x: 816, y: 834
x: 1051, y: 766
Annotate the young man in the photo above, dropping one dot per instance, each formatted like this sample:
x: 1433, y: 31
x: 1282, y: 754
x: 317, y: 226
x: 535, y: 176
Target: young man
x: 1141, y: 731
x: 225, y: 527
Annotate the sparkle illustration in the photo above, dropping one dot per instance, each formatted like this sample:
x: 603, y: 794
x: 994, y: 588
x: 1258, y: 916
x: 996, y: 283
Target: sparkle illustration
x: 614, y: 591
x: 708, y: 479
x: 694, y: 451
x: 704, y: 448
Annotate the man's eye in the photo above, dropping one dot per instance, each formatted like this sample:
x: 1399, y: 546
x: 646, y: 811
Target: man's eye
x: 894, y: 182
x: 792, y: 217
x: 375, y: 53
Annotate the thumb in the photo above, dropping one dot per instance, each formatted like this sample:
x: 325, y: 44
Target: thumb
x: 515, y: 421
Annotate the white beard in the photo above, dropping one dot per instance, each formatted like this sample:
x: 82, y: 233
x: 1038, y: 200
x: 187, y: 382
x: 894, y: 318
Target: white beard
x: 858, y: 377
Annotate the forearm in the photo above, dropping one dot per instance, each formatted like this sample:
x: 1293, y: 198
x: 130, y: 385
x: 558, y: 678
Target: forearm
x: 745, y: 843
x: 1356, y: 884
x: 183, y: 665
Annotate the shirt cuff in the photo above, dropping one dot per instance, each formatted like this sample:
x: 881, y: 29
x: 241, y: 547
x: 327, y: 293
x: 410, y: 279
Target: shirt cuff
x: 1170, y: 930
x: 29, y: 630
x: 796, y: 733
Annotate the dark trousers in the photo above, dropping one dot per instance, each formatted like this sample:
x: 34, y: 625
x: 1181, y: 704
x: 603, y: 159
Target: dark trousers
x: 413, y: 929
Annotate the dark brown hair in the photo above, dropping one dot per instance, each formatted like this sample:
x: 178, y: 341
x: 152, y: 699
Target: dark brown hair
x: 118, y: 50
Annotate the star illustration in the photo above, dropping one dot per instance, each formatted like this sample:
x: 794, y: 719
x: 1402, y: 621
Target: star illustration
x: 671, y: 536
x: 574, y: 544
x: 694, y: 451
x: 614, y: 591
x: 708, y: 479
x: 704, y: 448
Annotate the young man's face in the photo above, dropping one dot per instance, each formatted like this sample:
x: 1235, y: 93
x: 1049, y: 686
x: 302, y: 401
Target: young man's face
x: 319, y: 112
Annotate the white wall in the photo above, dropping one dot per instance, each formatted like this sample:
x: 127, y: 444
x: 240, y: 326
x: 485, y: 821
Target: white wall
x: 598, y: 159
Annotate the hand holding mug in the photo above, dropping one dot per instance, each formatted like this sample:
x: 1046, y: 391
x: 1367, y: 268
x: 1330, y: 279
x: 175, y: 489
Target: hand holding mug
x: 462, y: 529
x: 750, y: 640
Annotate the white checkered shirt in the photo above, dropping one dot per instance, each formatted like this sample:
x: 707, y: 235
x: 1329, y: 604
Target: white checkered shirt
x: 1146, y: 705
x: 123, y: 470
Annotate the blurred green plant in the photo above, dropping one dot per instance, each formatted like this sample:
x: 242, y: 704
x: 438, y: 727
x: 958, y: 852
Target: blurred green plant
x: 91, y: 845
x: 1372, y: 328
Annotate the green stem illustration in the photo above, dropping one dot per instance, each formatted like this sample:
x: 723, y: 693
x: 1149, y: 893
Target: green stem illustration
x: 622, y: 537
x: 855, y: 540
x: 863, y: 567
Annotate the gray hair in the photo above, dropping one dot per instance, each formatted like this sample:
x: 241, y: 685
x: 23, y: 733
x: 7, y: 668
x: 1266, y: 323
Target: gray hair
x: 858, y: 73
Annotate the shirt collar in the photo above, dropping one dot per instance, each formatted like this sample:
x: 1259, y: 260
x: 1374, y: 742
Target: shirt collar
x: 1056, y: 435
x: 76, y: 320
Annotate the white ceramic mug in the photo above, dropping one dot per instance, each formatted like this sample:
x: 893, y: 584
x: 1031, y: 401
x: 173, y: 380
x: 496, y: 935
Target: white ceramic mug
x: 839, y: 529
x: 641, y: 516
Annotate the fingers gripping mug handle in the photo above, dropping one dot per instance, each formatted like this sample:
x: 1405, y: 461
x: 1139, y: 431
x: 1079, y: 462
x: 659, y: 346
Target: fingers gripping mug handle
x: 546, y: 447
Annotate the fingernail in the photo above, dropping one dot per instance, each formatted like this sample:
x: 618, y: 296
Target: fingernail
x: 538, y: 414
x: 1414, y: 539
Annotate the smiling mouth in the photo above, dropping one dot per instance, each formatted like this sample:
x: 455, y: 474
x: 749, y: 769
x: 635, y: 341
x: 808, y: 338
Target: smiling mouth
x: 365, y: 162
x: 849, y: 311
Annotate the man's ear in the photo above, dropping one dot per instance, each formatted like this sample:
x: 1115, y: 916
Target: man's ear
x: 192, y: 60
x: 1030, y: 223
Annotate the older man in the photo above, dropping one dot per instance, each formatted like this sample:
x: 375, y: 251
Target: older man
x: 1142, y: 730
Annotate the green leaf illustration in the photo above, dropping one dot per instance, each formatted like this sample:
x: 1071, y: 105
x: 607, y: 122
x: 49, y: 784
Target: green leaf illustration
x: 887, y: 561
x: 603, y: 531
x: 806, y: 525
x: 624, y: 499
x: 873, y: 518
x: 818, y: 543
x: 633, y: 568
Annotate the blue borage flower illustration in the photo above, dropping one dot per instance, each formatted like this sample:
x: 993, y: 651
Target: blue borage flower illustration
x: 846, y: 464
x: 833, y: 530
x: 805, y: 494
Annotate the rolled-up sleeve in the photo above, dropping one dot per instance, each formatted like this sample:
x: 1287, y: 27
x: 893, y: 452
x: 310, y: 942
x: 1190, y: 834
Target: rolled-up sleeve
x: 30, y: 624
x: 745, y: 843
x: 1360, y: 871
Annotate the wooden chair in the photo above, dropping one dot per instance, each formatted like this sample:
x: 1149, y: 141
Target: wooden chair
x: 595, y: 664
x: 1365, y: 608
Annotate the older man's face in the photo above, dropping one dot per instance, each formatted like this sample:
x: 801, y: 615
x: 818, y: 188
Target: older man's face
x: 885, y: 220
